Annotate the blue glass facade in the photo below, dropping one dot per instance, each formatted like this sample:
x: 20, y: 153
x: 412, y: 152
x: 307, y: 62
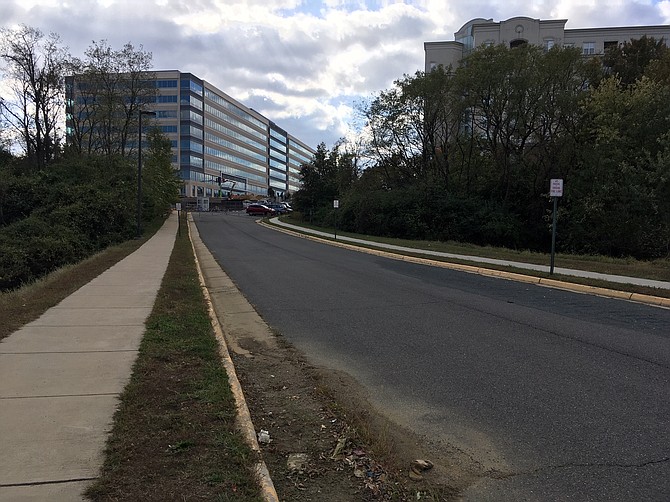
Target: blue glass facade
x: 214, y: 136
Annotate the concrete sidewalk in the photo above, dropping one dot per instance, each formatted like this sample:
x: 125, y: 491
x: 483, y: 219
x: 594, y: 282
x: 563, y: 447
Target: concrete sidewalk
x: 478, y: 259
x: 61, y: 375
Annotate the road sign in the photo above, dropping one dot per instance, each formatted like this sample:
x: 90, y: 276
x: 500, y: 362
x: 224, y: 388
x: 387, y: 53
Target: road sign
x: 555, y: 191
x: 336, y: 203
x: 556, y: 188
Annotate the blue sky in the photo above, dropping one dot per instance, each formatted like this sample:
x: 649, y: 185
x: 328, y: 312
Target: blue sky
x: 303, y: 64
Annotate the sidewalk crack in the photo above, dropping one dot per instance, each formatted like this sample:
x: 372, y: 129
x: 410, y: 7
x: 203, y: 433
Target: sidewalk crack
x: 52, y: 482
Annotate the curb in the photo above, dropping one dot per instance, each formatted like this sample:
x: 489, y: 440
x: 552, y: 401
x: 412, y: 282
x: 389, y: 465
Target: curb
x: 655, y: 301
x: 245, y: 423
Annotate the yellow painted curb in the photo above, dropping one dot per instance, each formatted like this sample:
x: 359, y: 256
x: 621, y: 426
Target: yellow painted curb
x: 512, y: 276
x: 243, y: 416
x: 654, y: 300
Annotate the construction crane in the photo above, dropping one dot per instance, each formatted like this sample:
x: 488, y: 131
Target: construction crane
x: 221, y: 180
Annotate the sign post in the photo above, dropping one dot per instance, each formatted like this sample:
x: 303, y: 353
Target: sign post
x: 178, y: 206
x: 555, y: 191
x: 336, y: 204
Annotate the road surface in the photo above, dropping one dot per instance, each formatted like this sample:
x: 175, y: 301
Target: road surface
x: 557, y: 395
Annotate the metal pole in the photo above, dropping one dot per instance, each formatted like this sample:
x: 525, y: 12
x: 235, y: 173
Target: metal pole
x: 139, y: 178
x: 553, y: 236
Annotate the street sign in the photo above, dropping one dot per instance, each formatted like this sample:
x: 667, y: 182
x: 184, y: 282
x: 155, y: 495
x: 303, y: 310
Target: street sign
x: 555, y: 191
x: 336, y: 203
x: 556, y: 188
x: 178, y: 206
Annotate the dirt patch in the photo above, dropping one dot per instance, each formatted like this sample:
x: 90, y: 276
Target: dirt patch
x: 353, y: 453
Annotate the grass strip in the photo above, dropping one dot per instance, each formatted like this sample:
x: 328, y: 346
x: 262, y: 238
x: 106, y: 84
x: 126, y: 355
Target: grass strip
x: 654, y: 269
x: 174, y: 435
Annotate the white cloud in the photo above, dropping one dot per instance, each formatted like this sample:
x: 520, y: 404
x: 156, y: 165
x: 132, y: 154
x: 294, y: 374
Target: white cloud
x: 664, y: 7
x: 302, y: 63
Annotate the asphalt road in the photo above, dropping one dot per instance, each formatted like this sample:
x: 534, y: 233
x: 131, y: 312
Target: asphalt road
x: 558, y: 395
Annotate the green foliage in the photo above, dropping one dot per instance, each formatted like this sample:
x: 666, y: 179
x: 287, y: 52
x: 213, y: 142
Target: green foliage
x: 428, y: 215
x: 617, y: 202
x: 33, y: 247
x: 18, y: 193
x: 629, y: 61
x: 319, y: 182
x: 160, y: 183
x: 78, y: 206
x: 467, y: 155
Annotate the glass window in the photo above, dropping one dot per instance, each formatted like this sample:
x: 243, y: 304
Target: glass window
x: 215, y: 152
x: 277, y: 164
x: 191, y: 115
x: 162, y: 84
x: 186, y: 99
x: 233, y: 109
x: 189, y: 130
x: 279, y: 146
x: 190, y: 160
x: 166, y: 114
x: 236, y: 174
x: 192, y: 86
x: 588, y: 48
x: 278, y: 184
x: 612, y: 44
x: 235, y: 134
x: 237, y: 123
x: 191, y: 145
x: 279, y: 156
x: 279, y: 136
x: 297, y: 146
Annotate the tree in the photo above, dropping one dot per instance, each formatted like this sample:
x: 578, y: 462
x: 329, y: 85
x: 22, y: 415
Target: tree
x: 160, y: 181
x: 348, y: 168
x: 523, y: 103
x: 617, y: 199
x: 105, y: 93
x: 319, y: 181
x: 629, y: 61
x: 411, y: 126
x: 659, y: 69
x: 34, y: 69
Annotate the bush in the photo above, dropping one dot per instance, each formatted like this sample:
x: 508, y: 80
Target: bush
x: 33, y: 247
x: 14, y: 270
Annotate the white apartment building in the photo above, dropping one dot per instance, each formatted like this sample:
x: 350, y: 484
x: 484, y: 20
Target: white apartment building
x: 525, y: 30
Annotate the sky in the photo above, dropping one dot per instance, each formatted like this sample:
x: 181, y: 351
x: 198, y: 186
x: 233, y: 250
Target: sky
x: 307, y: 65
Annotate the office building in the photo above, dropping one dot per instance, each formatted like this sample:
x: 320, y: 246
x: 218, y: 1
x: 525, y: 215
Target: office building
x: 221, y: 148
x: 524, y: 30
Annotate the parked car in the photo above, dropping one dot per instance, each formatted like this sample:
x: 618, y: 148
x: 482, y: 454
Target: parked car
x: 260, y: 209
x: 279, y: 208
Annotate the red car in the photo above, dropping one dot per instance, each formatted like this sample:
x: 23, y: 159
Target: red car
x: 260, y: 209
